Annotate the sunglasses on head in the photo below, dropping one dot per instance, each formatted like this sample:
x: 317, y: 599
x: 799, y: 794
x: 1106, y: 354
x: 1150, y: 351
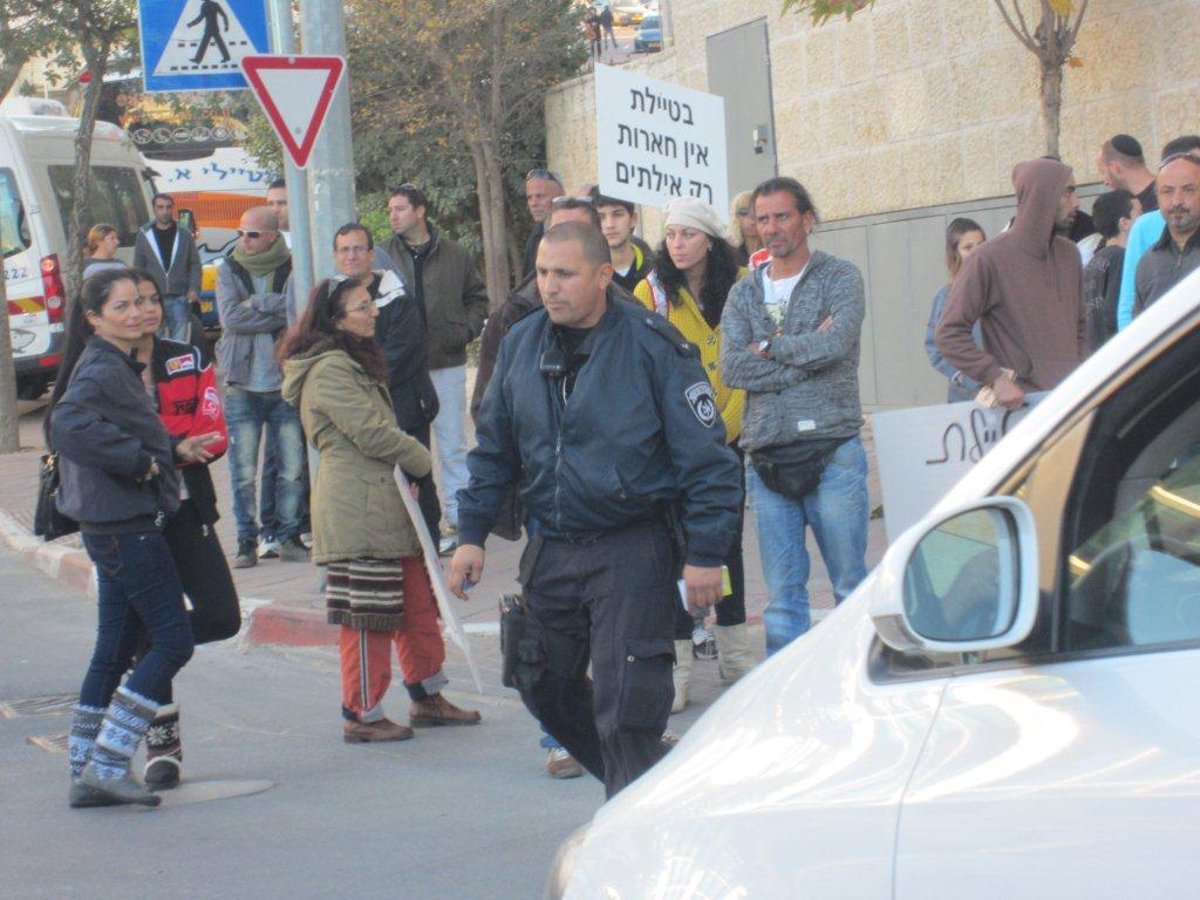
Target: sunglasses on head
x: 543, y: 174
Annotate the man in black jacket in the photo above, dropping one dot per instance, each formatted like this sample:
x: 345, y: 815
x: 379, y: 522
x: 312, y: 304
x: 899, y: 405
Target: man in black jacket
x: 603, y: 414
x: 401, y: 336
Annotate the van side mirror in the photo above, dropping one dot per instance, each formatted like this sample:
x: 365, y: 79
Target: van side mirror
x: 963, y: 581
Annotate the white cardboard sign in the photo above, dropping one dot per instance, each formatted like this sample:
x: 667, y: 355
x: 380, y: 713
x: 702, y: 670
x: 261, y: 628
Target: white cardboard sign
x: 657, y: 140
x: 922, y: 453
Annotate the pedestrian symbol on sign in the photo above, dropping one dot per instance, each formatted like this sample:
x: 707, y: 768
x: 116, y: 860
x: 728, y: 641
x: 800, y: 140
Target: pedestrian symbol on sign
x: 188, y: 49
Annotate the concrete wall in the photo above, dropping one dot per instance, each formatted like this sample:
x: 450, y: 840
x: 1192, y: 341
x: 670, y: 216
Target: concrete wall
x: 918, y: 103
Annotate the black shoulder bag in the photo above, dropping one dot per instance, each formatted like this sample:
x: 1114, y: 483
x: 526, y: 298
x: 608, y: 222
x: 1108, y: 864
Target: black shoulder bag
x: 48, y: 522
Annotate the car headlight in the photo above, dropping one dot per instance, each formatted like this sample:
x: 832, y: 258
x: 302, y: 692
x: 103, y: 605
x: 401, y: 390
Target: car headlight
x: 564, y: 864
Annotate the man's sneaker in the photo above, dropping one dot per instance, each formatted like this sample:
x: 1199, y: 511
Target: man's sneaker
x: 247, y: 555
x: 269, y: 550
x: 561, y: 764
x: 306, y: 539
x: 292, y: 550
x: 447, y: 545
x: 704, y: 643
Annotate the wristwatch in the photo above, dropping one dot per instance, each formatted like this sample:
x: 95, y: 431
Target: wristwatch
x: 764, y: 345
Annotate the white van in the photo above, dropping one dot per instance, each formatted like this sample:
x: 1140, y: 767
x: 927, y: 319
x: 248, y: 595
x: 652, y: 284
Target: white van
x: 37, y: 165
x: 1007, y: 707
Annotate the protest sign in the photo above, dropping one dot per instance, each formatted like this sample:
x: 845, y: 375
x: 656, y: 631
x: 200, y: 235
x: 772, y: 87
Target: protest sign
x: 658, y: 140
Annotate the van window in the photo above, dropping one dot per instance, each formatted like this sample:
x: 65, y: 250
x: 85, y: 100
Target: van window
x: 116, y: 199
x: 14, y: 230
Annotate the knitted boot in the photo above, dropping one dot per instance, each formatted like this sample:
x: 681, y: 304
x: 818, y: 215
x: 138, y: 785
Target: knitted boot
x: 164, y: 752
x: 125, y: 722
x: 82, y: 739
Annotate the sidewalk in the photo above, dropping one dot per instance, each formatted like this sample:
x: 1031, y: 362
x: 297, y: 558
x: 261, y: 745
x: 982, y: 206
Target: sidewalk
x: 282, y: 602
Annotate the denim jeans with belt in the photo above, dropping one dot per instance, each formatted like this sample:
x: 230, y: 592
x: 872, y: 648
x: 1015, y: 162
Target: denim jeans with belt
x: 247, y: 413
x: 139, y: 590
x: 837, y: 512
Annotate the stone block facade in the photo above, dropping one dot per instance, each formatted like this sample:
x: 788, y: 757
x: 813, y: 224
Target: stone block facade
x: 919, y: 103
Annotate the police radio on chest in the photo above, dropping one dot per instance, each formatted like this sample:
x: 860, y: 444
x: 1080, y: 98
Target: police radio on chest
x: 553, y: 362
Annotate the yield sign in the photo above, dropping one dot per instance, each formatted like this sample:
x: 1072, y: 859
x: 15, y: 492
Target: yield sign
x: 295, y: 93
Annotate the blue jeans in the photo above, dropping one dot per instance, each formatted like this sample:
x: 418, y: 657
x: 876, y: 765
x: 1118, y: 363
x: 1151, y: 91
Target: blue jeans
x: 837, y: 513
x: 451, y: 438
x: 246, y: 414
x: 178, y: 313
x: 139, y: 590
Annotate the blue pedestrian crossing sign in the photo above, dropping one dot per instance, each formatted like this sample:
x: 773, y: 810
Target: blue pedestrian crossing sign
x: 198, y: 45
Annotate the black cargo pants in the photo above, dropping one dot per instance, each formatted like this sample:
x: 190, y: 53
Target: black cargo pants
x: 610, y: 601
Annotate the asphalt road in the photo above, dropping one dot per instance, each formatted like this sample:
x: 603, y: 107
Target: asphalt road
x: 456, y: 813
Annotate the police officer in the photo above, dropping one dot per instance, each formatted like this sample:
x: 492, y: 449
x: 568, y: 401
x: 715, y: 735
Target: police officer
x: 603, y: 415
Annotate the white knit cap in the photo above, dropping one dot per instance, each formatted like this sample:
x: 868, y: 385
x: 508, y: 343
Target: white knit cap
x: 691, y: 212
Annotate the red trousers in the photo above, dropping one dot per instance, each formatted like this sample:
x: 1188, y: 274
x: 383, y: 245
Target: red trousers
x: 366, y: 655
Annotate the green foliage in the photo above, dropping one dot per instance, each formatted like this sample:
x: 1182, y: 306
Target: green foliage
x: 822, y: 11
x: 422, y: 75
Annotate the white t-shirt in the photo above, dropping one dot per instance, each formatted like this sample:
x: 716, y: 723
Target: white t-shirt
x: 776, y: 294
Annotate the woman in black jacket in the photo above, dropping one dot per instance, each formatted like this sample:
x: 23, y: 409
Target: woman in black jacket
x: 118, y: 480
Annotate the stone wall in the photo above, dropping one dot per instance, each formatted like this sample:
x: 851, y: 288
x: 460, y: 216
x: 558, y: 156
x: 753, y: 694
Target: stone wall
x: 916, y: 103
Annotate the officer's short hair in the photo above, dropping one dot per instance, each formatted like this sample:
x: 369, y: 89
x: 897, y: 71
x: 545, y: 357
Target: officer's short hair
x: 583, y: 204
x: 351, y: 228
x: 784, y: 185
x: 591, y: 241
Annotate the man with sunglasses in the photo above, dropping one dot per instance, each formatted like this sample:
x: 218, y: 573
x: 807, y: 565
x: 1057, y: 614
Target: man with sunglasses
x: 541, y: 187
x: 452, y: 302
x: 253, y: 286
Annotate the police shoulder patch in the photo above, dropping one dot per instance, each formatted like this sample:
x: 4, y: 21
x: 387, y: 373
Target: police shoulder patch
x: 703, y: 402
x: 672, y: 335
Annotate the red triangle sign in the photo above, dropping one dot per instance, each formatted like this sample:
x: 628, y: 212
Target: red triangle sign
x: 295, y: 93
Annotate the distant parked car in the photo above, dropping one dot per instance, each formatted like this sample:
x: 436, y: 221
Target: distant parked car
x: 628, y: 13
x: 648, y: 38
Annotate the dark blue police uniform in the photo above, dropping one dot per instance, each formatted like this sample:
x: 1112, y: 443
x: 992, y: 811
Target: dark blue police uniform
x: 604, y: 433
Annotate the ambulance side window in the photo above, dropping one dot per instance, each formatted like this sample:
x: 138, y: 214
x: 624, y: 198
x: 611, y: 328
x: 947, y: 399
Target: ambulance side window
x: 14, y: 230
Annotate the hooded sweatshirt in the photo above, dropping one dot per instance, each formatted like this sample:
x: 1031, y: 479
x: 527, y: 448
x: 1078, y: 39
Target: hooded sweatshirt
x: 1025, y: 289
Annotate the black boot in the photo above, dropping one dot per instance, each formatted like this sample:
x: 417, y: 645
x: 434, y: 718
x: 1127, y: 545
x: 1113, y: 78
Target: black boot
x: 164, y: 751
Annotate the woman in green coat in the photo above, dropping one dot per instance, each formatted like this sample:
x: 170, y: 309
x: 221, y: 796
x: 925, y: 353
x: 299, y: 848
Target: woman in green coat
x: 377, y: 587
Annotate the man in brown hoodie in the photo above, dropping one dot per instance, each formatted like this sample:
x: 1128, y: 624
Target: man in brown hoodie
x: 1025, y: 288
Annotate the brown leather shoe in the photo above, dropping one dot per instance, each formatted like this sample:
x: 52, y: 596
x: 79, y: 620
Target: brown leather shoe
x: 437, y: 710
x: 369, y: 732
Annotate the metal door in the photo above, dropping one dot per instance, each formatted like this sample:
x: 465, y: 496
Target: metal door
x: 739, y: 69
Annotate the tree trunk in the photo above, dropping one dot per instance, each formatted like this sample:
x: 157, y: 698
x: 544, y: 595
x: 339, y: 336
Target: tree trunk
x: 10, y: 419
x: 1052, y: 82
x: 97, y: 60
x: 490, y: 191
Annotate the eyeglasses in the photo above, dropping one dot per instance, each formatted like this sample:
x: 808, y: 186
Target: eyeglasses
x: 250, y: 234
x: 543, y: 174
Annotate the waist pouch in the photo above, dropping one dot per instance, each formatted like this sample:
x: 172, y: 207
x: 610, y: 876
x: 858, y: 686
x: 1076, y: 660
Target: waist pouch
x: 794, y: 470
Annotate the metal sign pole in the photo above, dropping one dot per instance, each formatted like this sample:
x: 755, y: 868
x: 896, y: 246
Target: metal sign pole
x: 331, y: 170
x: 283, y: 40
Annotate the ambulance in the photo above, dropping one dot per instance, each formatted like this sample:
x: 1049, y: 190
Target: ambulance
x: 37, y: 166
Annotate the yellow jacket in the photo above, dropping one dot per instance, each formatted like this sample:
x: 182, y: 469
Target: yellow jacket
x: 686, y: 316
